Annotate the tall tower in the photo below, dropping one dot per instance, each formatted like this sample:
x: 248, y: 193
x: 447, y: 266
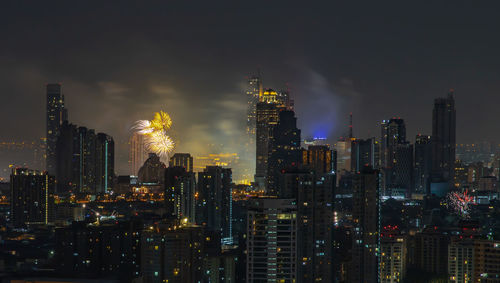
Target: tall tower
x: 366, y: 218
x: 422, y: 164
x: 254, y: 90
x: 137, y: 153
x: 444, y: 138
x: 56, y: 114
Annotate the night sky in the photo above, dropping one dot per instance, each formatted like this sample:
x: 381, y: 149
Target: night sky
x: 120, y: 61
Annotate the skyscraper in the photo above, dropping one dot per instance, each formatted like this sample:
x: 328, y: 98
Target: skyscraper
x: 214, y: 201
x: 401, y: 177
x: 180, y: 187
x: 364, y: 153
x: 137, y: 153
x: 393, y: 133
x: 272, y: 240
x: 56, y: 114
x: 314, y: 193
x: 284, y: 149
x: 105, y: 162
x: 422, y: 164
x: 183, y: 160
x: 366, y: 219
x: 267, y: 118
x: 444, y: 138
x: 320, y: 158
x: 253, y: 92
x: 32, y: 194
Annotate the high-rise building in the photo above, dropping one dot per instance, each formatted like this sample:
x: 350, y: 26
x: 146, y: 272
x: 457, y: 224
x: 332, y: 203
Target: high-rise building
x: 85, y: 161
x: 422, y: 164
x: 153, y: 170
x: 393, y: 133
x: 32, y: 197
x: 267, y: 118
x: 320, y: 158
x: 56, y: 114
x: 214, y: 201
x: 253, y: 92
x: 401, y: 173
x: 444, y: 139
x: 105, y: 163
x: 431, y: 251
x: 180, y: 188
x: 314, y: 193
x: 137, y: 153
x: 183, y: 160
x: 284, y: 149
x: 364, y: 153
x: 461, y: 261
x: 393, y: 253
x: 366, y: 226
x: 272, y: 240
x: 343, y: 148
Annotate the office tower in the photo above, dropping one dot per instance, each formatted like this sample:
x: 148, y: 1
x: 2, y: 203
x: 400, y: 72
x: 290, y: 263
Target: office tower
x: 393, y: 133
x: 180, y: 188
x: 56, y: 114
x: 364, y: 153
x: 422, y: 164
x: 105, y: 162
x: 431, y: 251
x: 320, y: 158
x: 110, y: 250
x: 486, y: 260
x: 32, y: 197
x: 366, y: 226
x: 137, y: 153
x: 401, y: 178
x: 183, y: 160
x: 214, y: 201
x: 284, y: 149
x: 272, y: 240
x: 444, y: 138
x: 314, y: 193
x: 343, y: 148
x: 393, y: 254
x: 85, y: 161
x: 153, y: 170
x: 267, y: 118
x: 253, y: 92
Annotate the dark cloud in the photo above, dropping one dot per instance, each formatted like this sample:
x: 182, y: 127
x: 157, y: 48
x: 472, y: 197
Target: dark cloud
x: 121, y: 60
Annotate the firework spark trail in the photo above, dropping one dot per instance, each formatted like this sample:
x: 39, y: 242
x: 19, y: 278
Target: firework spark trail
x: 155, y: 133
x: 460, y: 202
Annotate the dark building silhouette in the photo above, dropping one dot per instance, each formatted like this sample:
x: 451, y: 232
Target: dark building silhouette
x: 56, y: 114
x: 32, y: 197
x: 444, y: 139
x: 366, y: 226
x: 103, y: 251
x: 85, y: 161
x: 153, y: 170
x: 364, y: 153
x: 284, y: 149
x: 183, y: 160
x: 393, y: 133
x: 422, y: 164
x: 401, y: 178
x: 214, y: 201
x: 180, y: 187
x: 314, y: 193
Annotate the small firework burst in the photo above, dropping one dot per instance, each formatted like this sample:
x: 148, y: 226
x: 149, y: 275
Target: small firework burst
x: 460, y: 203
x: 155, y: 133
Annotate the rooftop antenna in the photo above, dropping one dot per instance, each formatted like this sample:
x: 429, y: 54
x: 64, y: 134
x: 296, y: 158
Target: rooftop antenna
x: 350, y: 125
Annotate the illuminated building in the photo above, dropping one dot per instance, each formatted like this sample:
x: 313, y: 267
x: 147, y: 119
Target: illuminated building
x: 314, y: 195
x: 105, y: 162
x: 56, y: 114
x: 444, y: 138
x: 343, y: 147
x: 366, y: 226
x: 284, y: 149
x: 267, y: 118
x: 272, y: 240
x: 32, y: 197
x: 137, y: 153
x: 220, y: 159
x: 393, y: 253
x: 461, y: 174
x: 214, y: 201
x: 320, y: 158
x: 183, y: 160
x: 254, y: 91
x: 461, y: 260
x: 393, y: 133
x: 180, y: 187
x: 422, y: 164
x: 364, y: 153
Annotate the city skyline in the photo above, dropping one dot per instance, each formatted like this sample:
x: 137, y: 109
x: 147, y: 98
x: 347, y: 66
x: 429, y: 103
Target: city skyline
x: 334, y: 80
